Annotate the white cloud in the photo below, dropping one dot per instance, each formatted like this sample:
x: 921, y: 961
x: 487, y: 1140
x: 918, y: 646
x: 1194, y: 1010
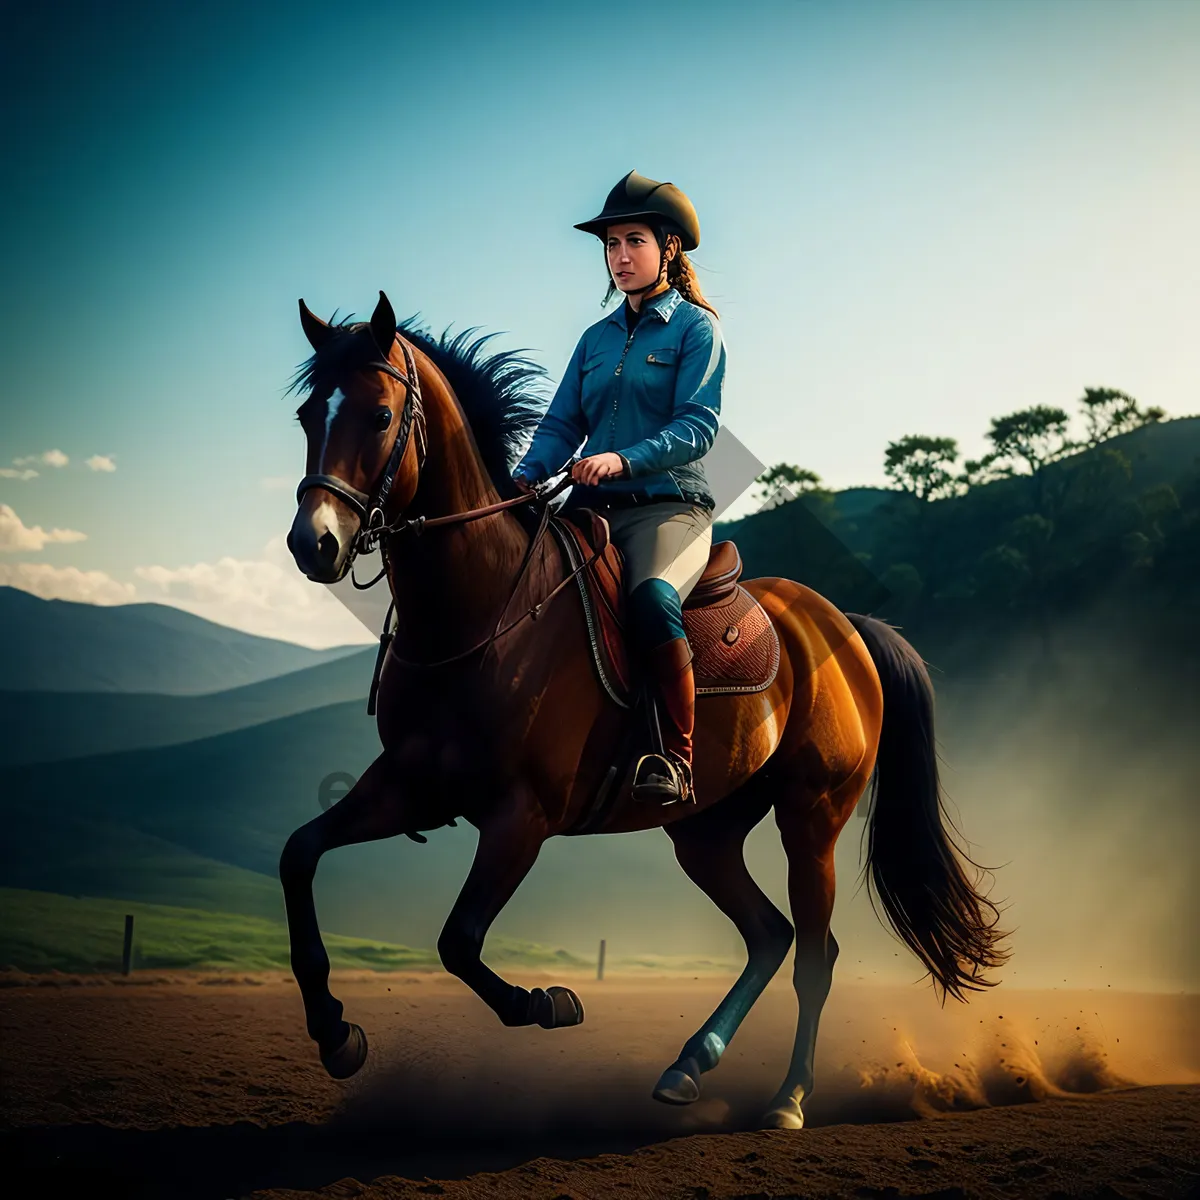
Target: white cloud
x: 16, y: 535
x: 101, y: 462
x: 66, y: 583
x: 18, y: 473
x: 277, y: 483
x: 51, y: 458
x: 267, y: 596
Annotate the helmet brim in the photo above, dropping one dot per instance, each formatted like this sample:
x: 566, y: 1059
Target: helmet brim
x: 599, y: 225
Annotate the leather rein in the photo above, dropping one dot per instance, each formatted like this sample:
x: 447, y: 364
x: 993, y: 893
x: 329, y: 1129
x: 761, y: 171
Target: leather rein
x: 374, y: 528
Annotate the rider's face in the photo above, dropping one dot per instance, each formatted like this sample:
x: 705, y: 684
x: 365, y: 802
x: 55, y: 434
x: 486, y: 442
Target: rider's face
x: 633, y: 255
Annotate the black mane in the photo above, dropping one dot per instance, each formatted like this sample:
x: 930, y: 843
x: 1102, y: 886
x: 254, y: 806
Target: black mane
x: 502, y: 395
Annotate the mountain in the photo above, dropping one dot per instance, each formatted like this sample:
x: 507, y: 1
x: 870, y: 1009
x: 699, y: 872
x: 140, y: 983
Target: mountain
x: 44, y: 726
x: 64, y: 646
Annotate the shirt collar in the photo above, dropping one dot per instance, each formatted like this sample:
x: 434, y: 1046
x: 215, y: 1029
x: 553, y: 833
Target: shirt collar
x: 662, y: 306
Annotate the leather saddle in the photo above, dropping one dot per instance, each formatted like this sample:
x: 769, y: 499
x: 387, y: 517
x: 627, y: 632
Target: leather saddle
x: 734, y: 645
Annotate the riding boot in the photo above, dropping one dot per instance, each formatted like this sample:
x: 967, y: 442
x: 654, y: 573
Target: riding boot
x: 669, y: 779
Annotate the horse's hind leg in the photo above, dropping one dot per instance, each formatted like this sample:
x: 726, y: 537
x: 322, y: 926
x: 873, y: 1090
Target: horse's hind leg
x: 709, y: 847
x: 808, y: 837
x: 371, y: 810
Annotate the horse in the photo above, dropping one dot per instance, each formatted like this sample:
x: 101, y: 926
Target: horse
x: 502, y: 720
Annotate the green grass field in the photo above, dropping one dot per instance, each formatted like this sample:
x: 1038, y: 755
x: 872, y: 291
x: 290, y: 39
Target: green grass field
x: 41, y: 931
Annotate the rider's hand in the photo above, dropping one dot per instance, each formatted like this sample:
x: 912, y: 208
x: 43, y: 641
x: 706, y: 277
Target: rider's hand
x: 523, y: 484
x: 600, y: 466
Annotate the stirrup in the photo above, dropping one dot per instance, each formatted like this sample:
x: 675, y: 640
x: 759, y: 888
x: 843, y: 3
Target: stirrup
x: 672, y: 785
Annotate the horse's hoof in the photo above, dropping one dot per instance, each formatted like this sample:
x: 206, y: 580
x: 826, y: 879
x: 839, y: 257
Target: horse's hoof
x: 349, y: 1056
x: 677, y: 1087
x: 787, y: 1116
x: 559, y: 1006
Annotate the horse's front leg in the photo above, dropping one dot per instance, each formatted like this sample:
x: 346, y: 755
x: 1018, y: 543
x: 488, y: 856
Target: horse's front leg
x: 374, y: 808
x: 509, y: 842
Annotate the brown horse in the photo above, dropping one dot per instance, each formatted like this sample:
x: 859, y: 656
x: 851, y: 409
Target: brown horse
x: 490, y: 708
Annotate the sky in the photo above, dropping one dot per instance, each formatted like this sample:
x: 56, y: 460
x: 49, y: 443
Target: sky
x: 915, y: 216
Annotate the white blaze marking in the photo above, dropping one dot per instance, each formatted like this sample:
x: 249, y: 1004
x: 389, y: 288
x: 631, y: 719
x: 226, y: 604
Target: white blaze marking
x: 331, y: 410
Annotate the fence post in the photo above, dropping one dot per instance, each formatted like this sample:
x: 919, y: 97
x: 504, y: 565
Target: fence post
x: 600, y: 961
x: 127, y: 953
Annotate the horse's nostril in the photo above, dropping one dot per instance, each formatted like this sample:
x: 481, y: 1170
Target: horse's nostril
x: 327, y: 548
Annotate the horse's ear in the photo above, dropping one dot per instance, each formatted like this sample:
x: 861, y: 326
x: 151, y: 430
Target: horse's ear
x: 316, y: 330
x: 383, y: 325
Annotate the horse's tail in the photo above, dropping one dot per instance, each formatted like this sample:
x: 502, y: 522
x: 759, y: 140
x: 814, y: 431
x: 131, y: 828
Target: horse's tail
x: 912, y: 863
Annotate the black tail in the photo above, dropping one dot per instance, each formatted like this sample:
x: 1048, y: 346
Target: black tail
x: 913, y: 864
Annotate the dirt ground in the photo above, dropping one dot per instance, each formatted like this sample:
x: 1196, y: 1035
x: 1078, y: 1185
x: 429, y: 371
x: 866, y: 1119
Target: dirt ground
x: 207, y: 1087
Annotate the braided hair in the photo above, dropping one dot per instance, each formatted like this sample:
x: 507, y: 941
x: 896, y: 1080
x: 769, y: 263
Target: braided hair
x: 681, y: 273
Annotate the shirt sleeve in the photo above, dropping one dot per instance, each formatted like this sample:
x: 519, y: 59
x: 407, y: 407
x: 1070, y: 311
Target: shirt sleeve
x: 693, y: 427
x: 562, y: 428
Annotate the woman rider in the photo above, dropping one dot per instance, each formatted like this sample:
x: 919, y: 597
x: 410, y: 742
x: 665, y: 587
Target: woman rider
x: 643, y: 387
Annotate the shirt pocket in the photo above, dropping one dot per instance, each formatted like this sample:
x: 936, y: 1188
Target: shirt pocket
x: 656, y: 383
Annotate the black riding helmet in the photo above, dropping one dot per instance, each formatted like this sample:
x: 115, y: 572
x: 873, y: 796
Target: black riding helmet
x: 661, y: 205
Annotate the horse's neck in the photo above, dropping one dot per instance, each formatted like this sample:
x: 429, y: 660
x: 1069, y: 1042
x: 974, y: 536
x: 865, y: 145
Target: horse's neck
x: 451, y: 582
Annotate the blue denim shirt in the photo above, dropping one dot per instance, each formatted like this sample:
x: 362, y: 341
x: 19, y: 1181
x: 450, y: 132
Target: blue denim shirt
x: 653, y: 396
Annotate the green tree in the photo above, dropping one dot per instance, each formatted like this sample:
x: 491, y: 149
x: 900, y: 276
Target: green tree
x: 1108, y: 412
x: 1034, y: 437
x: 978, y: 471
x: 784, y: 478
x: 1003, y: 573
x: 921, y: 465
x: 1157, y: 506
x: 1024, y: 555
x: 905, y: 584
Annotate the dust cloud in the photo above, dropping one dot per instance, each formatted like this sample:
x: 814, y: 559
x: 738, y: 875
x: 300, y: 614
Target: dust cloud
x: 885, y: 1053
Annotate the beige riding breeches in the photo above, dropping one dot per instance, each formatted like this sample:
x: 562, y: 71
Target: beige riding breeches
x: 669, y: 540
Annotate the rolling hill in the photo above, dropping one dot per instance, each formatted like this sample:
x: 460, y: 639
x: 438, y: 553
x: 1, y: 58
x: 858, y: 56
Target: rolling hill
x: 202, y: 824
x: 63, y: 646
x: 44, y: 726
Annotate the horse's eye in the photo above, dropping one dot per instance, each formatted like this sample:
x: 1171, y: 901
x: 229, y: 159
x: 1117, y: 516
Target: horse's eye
x: 383, y: 419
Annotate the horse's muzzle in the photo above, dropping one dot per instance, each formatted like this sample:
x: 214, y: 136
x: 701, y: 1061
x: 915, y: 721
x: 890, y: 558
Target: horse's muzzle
x: 319, y: 555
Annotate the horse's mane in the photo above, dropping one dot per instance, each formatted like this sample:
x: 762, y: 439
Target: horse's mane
x: 501, y: 394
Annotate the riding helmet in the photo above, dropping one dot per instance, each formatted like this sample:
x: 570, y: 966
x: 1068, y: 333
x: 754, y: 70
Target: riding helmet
x: 637, y: 198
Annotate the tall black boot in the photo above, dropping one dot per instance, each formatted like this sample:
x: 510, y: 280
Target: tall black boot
x: 667, y: 778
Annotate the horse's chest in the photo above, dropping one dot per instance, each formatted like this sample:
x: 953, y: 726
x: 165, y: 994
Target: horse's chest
x: 443, y: 741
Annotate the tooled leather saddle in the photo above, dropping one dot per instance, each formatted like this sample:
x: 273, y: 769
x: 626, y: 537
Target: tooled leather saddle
x: 734, y: 645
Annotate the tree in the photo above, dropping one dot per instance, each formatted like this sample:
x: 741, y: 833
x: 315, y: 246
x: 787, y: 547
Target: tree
x: 786, y: 481
x: 1108, y: 412
x: 1002, y: 572
x: 978, y: 471
x: 921, y: 465
x: 1034, y: 436
x: 904, y: 584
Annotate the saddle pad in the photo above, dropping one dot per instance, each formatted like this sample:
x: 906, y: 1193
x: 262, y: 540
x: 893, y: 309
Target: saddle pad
x: 734, y: 645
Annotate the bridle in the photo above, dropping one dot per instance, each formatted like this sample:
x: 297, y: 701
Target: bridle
x: 370, y: 508
x: 373, y: 527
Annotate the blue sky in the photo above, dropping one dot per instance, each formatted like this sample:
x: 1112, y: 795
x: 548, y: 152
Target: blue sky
x: 915, y: 216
